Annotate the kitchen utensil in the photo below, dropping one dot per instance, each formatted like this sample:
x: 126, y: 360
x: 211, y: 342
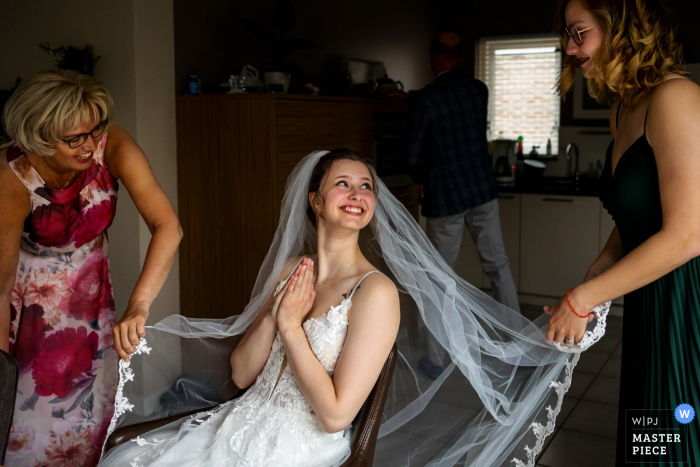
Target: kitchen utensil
x: 277, y: 78
x: 533, y: 170
x: 388, y: 83
x: 237, y: 83
x: 502, y: 152
x: 252, y: 78
x: 363, y: 71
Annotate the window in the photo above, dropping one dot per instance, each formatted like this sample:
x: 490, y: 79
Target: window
x: 521, y: 74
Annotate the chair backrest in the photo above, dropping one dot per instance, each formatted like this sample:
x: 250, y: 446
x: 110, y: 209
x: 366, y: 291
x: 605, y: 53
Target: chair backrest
x: 366, y: 424
x: 9, y: 375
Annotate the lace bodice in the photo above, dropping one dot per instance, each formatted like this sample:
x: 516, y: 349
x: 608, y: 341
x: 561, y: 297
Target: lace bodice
x: 326, y: 334
x: 272, y: 424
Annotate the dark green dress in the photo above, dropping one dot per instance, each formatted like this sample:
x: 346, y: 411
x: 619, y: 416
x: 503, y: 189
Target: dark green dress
x: 661, y: 325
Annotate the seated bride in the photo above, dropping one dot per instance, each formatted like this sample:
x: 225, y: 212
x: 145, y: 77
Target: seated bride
x: 312, y: 354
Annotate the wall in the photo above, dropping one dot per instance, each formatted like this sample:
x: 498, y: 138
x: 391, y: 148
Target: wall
x: 211, y: 42
x: 155, y: 121
x: 137, y: 69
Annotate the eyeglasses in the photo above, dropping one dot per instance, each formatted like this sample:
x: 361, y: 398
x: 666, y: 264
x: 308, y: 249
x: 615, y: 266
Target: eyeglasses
x: 78, y: 140
x: 575, y: 34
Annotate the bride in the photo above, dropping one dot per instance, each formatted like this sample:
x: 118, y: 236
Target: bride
x: 320, y: 324
x: 312, y: 356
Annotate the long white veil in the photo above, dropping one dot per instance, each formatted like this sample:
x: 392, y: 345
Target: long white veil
x: 494, y: 404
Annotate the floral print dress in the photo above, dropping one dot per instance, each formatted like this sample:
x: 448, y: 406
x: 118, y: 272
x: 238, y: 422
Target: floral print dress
x: 62, y: 314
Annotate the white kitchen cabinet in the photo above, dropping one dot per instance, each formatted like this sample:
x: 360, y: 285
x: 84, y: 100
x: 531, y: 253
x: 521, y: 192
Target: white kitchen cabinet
x: 560, y: 238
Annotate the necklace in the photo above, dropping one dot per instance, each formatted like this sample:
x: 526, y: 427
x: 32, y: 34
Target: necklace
x: 54, y: 179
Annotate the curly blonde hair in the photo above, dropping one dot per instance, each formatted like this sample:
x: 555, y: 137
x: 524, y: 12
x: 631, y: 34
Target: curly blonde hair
x: 637, y: 52
x: 49, y: 104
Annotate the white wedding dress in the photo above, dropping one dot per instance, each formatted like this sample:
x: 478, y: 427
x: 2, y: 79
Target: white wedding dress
x: 272, y: 424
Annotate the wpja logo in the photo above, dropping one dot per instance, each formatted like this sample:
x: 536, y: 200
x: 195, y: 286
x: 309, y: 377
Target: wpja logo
x: 657, y: 436
x: 685, y: 413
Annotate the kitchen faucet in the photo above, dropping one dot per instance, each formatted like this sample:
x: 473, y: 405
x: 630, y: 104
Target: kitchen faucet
x: 577, y: 173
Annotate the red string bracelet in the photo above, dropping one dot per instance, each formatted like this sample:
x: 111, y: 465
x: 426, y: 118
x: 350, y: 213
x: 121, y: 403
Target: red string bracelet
x: 568, y: 299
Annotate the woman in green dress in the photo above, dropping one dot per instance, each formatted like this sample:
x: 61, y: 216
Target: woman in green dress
x: 651, y: 187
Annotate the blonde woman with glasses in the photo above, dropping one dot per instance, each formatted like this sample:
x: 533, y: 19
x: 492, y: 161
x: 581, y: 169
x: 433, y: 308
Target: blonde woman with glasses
x: 58, y: 195
x: 649, y: 185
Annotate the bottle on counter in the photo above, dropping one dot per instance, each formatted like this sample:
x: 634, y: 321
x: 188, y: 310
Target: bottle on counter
x: 598, y: 168
x: 519, y: 150
x: 193, y: 85
x: 549, y: 147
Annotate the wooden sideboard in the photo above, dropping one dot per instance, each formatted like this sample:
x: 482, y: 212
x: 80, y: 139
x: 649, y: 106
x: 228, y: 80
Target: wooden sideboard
x: 234, y: 154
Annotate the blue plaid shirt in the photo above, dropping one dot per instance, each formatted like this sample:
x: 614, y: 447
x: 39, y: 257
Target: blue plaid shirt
x: 447, y: 149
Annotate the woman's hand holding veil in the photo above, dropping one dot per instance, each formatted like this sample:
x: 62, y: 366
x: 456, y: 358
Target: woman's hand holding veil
x: 294, y: 302
x: 565, y: 324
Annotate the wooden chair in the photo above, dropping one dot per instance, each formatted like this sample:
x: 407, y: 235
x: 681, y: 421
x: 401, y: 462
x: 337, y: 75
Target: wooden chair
x: 9, y: 375
x: 365, y: 425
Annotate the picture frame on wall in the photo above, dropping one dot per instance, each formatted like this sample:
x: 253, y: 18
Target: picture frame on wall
x: 585, y: 107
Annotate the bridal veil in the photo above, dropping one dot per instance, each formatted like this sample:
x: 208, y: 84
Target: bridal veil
x: 494, y: 405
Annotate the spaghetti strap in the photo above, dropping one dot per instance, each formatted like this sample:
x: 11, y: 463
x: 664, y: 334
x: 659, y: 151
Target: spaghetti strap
x: 363, y: 278
x: 283, y: 282
x: 294, y: 268
x: 645, y: 121
x: 617, y: 115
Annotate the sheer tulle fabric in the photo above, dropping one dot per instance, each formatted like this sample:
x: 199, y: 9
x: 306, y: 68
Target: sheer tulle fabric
x: 494, y: 405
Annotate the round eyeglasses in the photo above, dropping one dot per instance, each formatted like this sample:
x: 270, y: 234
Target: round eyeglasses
x: 575, y: 34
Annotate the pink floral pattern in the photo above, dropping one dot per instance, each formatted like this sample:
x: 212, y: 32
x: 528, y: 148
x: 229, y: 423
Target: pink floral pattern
x: 62, y: 314
x: 71, y: 449
x: 46, y: 287
x: 65, y: 356
x: 91, y: 290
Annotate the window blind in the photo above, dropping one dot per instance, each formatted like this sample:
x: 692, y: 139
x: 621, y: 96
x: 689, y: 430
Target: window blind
x: 521, y: 75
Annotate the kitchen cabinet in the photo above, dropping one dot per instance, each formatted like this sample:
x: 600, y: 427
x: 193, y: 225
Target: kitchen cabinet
x: 234, y: 154
x: 550, y: 240
x: 560, y: 238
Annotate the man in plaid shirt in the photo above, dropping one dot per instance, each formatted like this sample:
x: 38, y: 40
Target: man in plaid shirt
x: 448, y: 155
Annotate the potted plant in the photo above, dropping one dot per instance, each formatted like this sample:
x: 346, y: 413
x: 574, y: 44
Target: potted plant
x: 68, y: 58
x: 283, y: 21
x: 72, y: 58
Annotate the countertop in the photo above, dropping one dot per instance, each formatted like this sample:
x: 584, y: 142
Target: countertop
x: 563, y: 186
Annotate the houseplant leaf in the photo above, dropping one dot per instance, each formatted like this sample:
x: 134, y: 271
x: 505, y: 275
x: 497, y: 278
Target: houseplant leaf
x: 278, y: 50
x: 258, y: 31
x: 297, y: 43
x: 291, y: 68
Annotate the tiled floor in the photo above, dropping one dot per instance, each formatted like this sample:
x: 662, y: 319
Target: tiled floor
x: 586, y: 427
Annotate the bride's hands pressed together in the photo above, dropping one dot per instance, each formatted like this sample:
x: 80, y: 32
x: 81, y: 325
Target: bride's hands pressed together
x: 565, y: 324
x: 294, y: 302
